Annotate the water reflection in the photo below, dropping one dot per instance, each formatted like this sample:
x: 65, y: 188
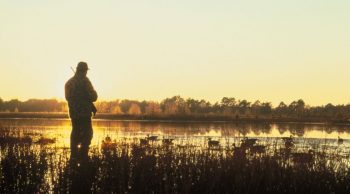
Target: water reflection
x: 120, y: 163
x: 60, y: 129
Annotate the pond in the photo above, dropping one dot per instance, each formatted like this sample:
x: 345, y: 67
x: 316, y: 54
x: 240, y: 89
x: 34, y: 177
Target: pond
x: 196, y: 133
x: 299, y: 157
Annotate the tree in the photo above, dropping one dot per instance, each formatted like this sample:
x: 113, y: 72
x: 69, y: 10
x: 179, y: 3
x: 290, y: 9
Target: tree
x: 125, y: 106
x: 204, y: 106
x: 282, y: 109
x: 228, y: 105
x: 243, y: 106
x: 64, y: 107
x: 297, y: 107
x: 329, y: 110
x: 103, y: 107
x: 266, y: 108
x: 134, y: 109
x: 12, y: 105
x: 1, y: 104
x: 169, y: 106
x: 143, y: 106
x: 228, y: 102
x: 256, y: 106
x: 215, y: 108
x: 116, y: 110
x: 175, y: 105
x: 193, y: 105
x: 153, y: 108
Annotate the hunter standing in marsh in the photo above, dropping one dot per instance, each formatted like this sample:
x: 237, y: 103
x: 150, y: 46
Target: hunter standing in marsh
x: 80, y: 95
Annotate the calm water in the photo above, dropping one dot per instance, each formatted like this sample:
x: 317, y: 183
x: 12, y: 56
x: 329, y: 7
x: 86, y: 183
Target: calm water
x: 190, y: 144
x: 195, y: 133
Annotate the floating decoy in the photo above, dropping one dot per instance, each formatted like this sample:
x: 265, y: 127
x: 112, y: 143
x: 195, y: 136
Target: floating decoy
x: 213, y: 143
x: 167, y: 141
x: 340, y: 141
x: 248, y: 142
x: 152, y: 138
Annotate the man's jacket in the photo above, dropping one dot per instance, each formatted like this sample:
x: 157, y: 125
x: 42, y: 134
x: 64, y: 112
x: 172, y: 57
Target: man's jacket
x: 80, y: 95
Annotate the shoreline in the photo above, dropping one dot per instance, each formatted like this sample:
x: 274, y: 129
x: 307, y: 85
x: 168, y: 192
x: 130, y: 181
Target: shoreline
x: 177, y: 118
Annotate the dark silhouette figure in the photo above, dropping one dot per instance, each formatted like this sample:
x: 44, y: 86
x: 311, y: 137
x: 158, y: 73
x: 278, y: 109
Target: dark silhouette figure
x: 80, y: 95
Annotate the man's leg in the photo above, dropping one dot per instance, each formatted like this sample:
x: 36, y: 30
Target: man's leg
x: 87, y: 136
x: 74, y: 137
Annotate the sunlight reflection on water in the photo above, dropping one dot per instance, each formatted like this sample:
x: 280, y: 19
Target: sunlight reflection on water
x: 193, y: 132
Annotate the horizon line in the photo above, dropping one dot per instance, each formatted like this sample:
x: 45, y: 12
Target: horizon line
x: 59, y: 99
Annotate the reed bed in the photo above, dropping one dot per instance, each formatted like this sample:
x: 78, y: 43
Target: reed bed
x: 123, y: 166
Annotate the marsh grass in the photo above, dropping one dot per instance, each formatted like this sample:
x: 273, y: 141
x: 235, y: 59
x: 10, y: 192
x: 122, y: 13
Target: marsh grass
x: 125, y: 166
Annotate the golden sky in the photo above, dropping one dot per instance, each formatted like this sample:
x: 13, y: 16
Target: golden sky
x: 270, y: 50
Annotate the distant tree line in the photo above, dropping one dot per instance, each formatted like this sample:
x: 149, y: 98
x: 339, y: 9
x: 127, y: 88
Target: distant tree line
x: 178, y: 106
x: 33, y: 105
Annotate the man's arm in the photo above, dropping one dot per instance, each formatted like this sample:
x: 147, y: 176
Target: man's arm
x: 91, y: 91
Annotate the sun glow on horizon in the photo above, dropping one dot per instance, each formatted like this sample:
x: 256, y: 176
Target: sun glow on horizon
x: 270, y: 51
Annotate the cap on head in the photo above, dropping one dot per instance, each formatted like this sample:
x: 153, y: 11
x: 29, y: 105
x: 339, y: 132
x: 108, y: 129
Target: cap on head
x: 82, y: 66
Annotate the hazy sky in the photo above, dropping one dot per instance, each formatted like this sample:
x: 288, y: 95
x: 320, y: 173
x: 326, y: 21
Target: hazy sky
x: 271, y: 50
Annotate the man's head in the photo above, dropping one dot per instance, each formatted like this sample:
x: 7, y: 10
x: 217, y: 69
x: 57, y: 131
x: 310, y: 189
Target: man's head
x: 82, y: 67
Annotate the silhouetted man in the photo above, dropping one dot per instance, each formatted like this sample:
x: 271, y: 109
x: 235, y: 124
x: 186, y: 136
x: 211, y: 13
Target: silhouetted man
x: 80, y: 95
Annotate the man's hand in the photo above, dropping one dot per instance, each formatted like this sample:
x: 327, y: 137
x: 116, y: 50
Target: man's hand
x: 93, y: 108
